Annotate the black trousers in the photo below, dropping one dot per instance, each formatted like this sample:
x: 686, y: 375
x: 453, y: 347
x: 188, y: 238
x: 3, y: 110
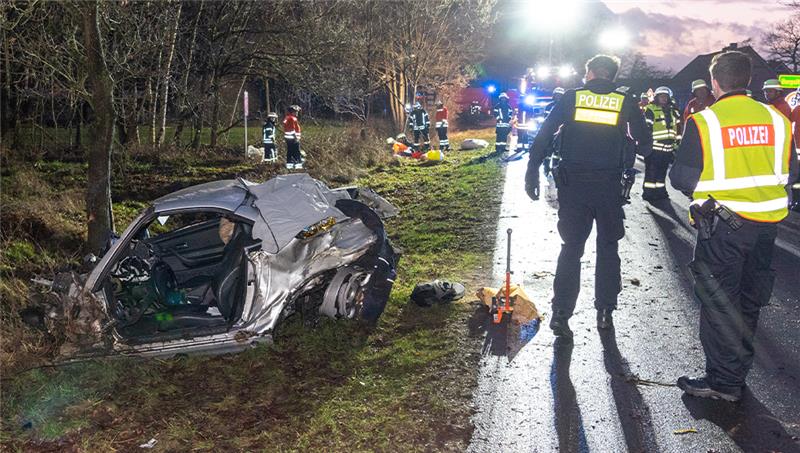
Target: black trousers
x: 584, y: 201
x: 426, y: 145
x: 523, y: 140
x: 444, y: 142
x: 293, y: 155
x: 501, y: 139
x: 733, y: 280
x: 270, y: 151
x: 655, y: 175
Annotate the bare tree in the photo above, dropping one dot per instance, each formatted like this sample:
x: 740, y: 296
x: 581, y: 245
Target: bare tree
x: 783, y: 42
x: 101, y: 86
x: 635, y: 66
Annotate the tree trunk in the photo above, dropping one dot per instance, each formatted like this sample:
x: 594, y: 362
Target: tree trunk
x: 182, y: 101
x: 214, y: 114
x: 165, y: 83
x: 78, y: 125
x: 198, y: 129
x: 8, y: 122
x: 98, y: 192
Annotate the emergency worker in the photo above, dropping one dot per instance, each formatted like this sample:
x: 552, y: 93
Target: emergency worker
x: 440, y: 119
x: 703, y: 98
x: 596, y: 125
x: 773, y: 93
x: 664, y: 120
x: 503, y: 114
x: 291, y: 134
x: 644, y: 101
x: 268, y: 137
x: 735, y: 160
x: 796, y: 121
x: 558, y: 93
x: 419, y: 122
x: 475, y: 108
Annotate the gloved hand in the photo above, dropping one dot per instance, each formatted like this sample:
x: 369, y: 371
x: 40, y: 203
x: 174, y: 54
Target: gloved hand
x: 532, y: 188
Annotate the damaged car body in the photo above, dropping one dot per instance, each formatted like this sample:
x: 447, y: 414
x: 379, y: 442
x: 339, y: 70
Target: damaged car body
x: 216, y: 267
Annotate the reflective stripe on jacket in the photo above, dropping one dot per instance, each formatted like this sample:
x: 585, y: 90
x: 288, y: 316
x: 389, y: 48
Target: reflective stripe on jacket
x: 664, y: 138
x: 746, y: 151
x: 268, y: 134
x: 291, y: 127
x: 419, y: 120
x: 598, y: 108
x: 503, y: 114
x: 441, y: 117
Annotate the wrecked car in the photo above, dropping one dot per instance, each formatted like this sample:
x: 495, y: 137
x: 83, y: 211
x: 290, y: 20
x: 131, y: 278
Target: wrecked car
x: 217, y: 267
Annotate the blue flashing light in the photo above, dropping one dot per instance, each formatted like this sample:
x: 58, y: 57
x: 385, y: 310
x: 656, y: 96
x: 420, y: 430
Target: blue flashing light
x: 530, y: 100
x: 491, y: 88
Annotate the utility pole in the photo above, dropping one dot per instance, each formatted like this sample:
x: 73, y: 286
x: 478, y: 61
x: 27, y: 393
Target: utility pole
x: 245, y: 122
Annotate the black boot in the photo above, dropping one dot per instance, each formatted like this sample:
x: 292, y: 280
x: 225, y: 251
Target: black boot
x: 605, y: 320
x: 559, y: 324
x: 701, y: 388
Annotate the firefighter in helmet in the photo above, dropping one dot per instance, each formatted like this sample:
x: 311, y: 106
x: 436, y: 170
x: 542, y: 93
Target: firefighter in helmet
x: 419, y: 122
x: 504, y: 115
x: 664, y: 120
x: 441, y: 125
x: 268, y: 137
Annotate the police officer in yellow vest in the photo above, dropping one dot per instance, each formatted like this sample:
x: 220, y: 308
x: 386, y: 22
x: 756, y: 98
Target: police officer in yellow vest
x: 664, y: 119
x: 597, y: 123
x: 736, y: 160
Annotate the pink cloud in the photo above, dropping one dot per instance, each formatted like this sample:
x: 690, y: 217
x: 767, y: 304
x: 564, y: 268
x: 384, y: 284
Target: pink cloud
x: 671, y: 33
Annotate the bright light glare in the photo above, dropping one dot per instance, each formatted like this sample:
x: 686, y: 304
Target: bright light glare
x: 559, y: 16
x: 530, y: 99
x: 523, y: 86
x: 543, y: 72
x: 565, y: 71
x: 491, y: 88
x: 614, y: 38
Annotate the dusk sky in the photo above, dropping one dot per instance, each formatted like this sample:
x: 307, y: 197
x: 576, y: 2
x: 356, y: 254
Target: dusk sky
x: 671, y: 33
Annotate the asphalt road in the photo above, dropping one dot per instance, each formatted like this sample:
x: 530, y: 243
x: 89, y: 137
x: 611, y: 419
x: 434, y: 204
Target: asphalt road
x: 615, y: 392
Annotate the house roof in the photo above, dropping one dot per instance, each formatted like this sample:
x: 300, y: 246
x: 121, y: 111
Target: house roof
x: 698, y: 69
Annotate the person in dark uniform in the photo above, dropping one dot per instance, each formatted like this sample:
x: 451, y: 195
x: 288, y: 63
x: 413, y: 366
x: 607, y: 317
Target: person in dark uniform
x: 441, y: 119
x: 558, y: 92
x: 737, y: 163
x: 420, y: 123
x: 664, y: 120
x: 597, y: 123
x: 268, y: 138
x: 503, y: 114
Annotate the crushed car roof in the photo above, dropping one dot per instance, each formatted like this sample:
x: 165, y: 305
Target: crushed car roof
x: 287, y: 204
x: 226, y: 194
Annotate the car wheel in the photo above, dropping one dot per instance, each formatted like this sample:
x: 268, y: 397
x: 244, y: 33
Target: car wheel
x: 345, y: 293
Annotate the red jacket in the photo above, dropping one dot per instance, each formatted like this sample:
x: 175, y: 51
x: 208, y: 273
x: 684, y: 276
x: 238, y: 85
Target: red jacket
x: 782, y: 106
x: 441, y: 117
x: 695, y: 105
x: 291, y: 127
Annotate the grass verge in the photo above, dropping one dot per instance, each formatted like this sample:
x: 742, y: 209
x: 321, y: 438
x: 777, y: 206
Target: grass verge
x: 404, y: 386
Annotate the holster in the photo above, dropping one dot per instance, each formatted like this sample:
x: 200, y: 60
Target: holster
x: 704, y: 218
x: 627, y: 180
x: 560, y: 176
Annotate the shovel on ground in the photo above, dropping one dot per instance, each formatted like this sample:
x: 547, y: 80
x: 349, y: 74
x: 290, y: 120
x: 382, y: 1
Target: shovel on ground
x: 511, y: 304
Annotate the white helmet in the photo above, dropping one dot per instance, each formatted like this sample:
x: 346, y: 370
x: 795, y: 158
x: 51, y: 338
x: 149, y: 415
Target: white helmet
x: 400, y: 136
x: 558, y: 90
x: 503, y: 95
x: 663, y: 90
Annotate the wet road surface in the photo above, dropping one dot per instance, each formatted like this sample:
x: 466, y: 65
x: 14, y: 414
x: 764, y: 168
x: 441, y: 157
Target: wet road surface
x: 615, y: 392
